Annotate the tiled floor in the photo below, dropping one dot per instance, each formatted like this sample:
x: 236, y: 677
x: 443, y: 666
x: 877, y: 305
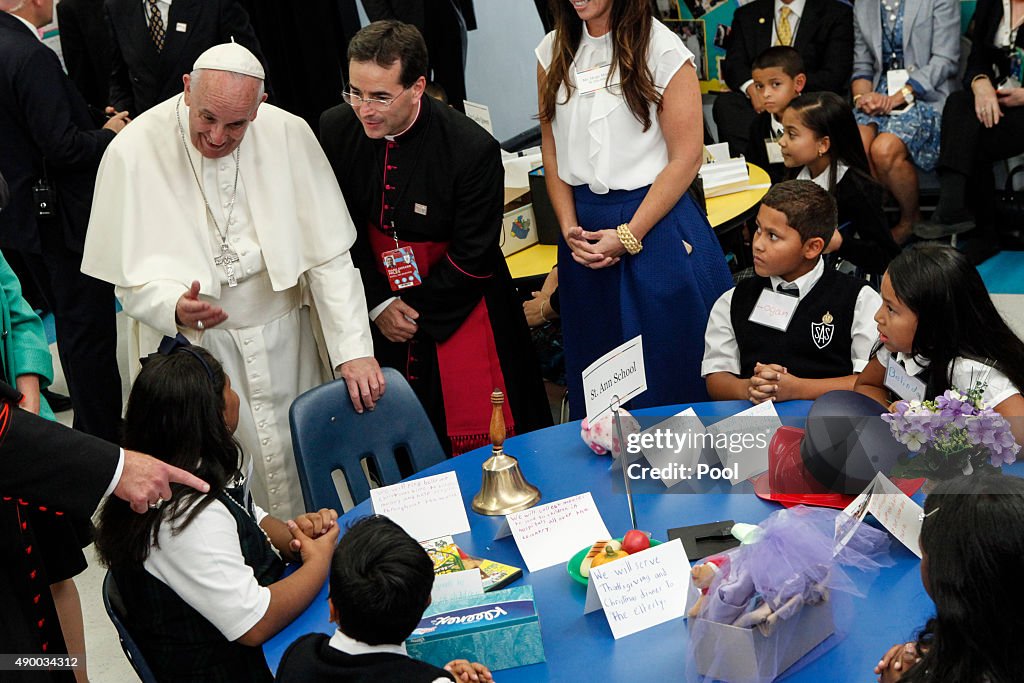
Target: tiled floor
x: 1004, y: 275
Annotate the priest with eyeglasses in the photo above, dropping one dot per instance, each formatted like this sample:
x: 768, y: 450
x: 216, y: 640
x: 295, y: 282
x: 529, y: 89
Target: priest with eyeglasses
x: 425, y: 186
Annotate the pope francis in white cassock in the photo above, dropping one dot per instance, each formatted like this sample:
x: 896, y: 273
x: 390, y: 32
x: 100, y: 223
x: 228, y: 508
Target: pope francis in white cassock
x: 230, y: 228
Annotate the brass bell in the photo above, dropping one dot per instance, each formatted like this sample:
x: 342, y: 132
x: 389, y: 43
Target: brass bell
x: 504, y: 489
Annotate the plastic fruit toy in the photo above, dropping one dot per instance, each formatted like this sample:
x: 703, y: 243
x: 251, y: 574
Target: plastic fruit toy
x: 635, y: 541
x: 609, y: 554
x: 595, y: 550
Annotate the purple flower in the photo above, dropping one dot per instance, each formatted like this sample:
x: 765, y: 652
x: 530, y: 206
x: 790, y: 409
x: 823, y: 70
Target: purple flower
x: 934, y: 430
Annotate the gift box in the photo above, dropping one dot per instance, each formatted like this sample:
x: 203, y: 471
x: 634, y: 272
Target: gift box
x: 517, y: 225
x: 745, y: 655
x: 499, y: 629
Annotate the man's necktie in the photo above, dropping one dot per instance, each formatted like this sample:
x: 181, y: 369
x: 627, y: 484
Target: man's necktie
x: 784, y: 30
x: 156, y: 25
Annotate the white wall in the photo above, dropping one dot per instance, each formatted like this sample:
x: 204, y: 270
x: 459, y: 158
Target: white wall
x: 501, y: 69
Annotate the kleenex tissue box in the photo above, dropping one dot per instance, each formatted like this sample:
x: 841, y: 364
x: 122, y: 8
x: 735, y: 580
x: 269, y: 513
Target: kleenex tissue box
x: 499, y: 629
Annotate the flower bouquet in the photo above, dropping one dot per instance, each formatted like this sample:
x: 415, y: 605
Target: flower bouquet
x: 954, y: 435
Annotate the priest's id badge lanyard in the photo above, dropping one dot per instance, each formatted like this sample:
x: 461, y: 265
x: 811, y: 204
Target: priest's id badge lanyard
x: 399, y: 263
x: 228, y: 257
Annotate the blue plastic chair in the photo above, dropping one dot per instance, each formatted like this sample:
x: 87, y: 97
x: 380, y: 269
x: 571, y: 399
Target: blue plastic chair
x: 329, y: 435
x: 115, y: 610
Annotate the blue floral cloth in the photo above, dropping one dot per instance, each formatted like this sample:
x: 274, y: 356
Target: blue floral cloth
x: 919, y: 126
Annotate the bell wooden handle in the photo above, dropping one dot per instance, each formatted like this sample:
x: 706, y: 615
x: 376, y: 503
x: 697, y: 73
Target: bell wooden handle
x: 497, y: 421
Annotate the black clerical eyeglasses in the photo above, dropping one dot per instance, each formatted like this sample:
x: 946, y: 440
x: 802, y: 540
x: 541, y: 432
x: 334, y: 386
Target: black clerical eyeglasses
x: 376, y: 103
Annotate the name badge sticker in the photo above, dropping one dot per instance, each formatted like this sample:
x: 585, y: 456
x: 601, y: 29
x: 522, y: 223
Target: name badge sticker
x: 774, y: 310
x: 901, y: 383
x: 594, y: 79
x: 181, y: 27
x: 774, y: 151
x: 401, y: 269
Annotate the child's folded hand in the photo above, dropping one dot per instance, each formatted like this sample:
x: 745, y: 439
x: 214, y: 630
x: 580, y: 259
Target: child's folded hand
x: 316, y: 524
x: 764, y: 385
x: 898, y: 660
x: 465, y: 671
x: 313, y: 549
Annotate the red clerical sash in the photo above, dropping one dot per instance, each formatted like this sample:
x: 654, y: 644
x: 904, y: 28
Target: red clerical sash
x: 468, y: 360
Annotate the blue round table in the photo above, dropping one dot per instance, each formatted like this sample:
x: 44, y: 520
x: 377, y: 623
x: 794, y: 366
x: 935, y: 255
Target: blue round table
x: 558, y: 462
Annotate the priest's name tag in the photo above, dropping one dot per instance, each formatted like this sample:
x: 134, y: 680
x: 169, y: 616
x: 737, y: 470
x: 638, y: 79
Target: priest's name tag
x: 899, y: 380
x: 401, y: 269
x: 618, y: 374
x: 643, y: 590
x: 774, y: 310
x: 592, y: 80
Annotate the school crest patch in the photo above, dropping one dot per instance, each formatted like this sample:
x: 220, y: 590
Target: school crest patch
x: 821, y: 333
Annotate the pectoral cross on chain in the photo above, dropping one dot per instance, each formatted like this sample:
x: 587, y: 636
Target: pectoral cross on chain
x: 228, y: 258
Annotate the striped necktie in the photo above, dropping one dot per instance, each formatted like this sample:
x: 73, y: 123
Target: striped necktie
x: 156, y: 25
x: 785, y: 31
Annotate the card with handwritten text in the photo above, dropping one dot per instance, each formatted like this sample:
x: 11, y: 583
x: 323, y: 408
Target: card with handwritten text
x: 643, y: 590
x: 426, y: 508
x: 550, y: 534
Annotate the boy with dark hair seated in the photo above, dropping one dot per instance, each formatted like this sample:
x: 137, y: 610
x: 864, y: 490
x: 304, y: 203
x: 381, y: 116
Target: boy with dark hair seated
x: 798, y: 329
x: 381, y: 580
x: 778, y: 75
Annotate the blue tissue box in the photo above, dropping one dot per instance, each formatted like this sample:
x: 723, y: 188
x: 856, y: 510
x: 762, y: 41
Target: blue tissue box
x: 499, y: 629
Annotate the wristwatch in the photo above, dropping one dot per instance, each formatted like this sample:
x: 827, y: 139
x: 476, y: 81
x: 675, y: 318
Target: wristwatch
x: 908, y: 93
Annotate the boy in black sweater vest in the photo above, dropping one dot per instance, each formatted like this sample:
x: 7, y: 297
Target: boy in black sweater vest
x: 798, y: 329
x: 778, y: 75
x: 380, y: 585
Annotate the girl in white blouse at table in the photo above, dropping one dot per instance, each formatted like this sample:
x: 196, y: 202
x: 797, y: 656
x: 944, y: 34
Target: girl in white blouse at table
x: 620, y: 114
x: 938, y: 320
x: 200, y: 577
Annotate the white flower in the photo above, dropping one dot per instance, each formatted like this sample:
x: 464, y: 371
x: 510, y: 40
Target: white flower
x: 913, y: 440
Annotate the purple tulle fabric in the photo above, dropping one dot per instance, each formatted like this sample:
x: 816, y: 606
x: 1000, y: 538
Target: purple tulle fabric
x: 794, y: 562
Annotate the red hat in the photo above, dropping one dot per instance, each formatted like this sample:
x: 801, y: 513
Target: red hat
x: 788, y: 481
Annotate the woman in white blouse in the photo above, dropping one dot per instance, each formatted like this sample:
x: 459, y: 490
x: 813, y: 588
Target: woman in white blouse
x: 620, y: 115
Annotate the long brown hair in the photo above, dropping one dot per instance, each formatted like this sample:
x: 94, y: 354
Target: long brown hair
x: 631, y: 37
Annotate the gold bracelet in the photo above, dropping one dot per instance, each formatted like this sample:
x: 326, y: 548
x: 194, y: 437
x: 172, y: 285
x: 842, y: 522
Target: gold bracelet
x: 629, y: 241
x: 857, y: 97
x: 542, y: 316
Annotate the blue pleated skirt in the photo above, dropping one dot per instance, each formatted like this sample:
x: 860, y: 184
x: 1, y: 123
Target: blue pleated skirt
x: 664, y: 293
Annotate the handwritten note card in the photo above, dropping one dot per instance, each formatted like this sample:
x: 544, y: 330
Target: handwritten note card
x: 480, y: 113
x: 894, y: 509
x: 550, y: 534
x: 643, y: 590
x: 741, y: 441
x: 618, y: 373
x: 675, y: 445
x: 457, y: 585
x: 426, y: 508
